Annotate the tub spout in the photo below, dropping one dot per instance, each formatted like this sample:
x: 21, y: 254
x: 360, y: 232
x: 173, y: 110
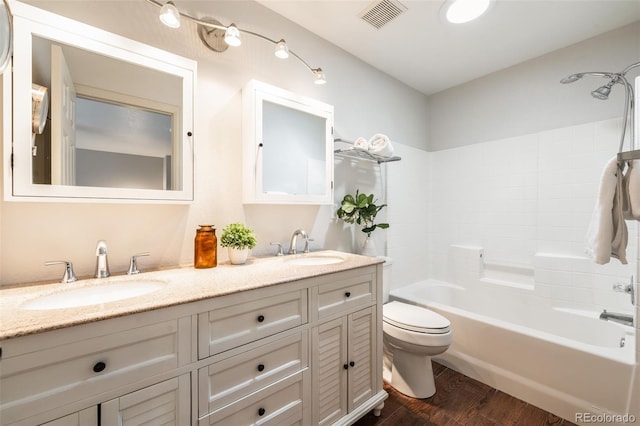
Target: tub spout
x: 625, y: 319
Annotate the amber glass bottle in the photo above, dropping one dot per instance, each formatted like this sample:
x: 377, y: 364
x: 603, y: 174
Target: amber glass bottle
x: 206, y: 247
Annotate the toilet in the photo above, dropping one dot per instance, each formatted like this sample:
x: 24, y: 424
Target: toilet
x: 411, y: 336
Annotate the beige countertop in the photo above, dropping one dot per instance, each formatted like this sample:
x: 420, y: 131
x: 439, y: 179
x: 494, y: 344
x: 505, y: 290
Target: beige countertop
x: 183, y: 285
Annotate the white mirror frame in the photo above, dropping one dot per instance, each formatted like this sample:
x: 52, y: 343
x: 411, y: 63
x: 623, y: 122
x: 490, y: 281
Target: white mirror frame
x: 18, y: 186
x: 253, y: 96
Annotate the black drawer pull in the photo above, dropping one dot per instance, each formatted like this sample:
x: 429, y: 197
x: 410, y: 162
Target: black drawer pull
x: 261, y: 411
x: 261, y: 318
x: 99, y: 367
x: 348, y: 294
x: 352, y: 363
x: 345, y: 366
x: 260, y: 367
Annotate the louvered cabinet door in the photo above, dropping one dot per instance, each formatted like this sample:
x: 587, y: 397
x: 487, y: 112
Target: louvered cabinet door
x: 165, y: 403
x: 328, y: 372
x: 343, y: 365
x: 362, y: 357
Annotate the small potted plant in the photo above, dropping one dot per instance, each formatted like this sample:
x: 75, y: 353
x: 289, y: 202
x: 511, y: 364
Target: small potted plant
x: 238, y: 239
x: 362, y: 210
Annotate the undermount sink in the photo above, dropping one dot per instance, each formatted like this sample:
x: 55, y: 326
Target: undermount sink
x: 94, y: 295
x: 311, y: 260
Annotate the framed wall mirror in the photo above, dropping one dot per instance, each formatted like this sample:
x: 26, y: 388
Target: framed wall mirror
x: 288, y: 147
x: 96, y: 115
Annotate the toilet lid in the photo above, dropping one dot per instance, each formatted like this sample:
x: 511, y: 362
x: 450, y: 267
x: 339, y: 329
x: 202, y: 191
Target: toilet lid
x: 414, y: 318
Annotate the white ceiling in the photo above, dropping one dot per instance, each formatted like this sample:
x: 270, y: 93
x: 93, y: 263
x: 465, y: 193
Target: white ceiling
x: 421, y: 50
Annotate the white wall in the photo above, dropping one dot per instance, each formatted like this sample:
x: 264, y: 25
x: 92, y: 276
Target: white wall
x: 366, y: 102
x: 528, y: 98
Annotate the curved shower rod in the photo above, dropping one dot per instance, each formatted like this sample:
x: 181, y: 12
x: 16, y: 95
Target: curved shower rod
x: 602, y: 93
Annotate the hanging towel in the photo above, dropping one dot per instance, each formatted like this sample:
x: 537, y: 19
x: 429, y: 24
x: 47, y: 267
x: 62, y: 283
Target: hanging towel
x: 607, y: 233
x: 380, y: 144
x: 361, y: 143
x: 631, y: 191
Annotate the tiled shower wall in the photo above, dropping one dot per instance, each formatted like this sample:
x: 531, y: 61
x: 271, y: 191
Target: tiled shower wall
x: 527, y: 202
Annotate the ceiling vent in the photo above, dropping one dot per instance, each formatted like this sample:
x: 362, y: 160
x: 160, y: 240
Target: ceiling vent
x: 381, y: 12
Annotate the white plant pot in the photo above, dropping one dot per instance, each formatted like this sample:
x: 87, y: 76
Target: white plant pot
x: 238, y: 256
x: 369, y: 247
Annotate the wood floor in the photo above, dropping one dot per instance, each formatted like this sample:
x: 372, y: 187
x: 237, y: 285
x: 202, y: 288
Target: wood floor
x: 459, y: 400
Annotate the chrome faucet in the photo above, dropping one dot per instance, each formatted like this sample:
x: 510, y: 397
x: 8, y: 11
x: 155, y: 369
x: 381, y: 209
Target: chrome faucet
x: 625, y: 319
x: 294, y: 241
x: 102, y: 262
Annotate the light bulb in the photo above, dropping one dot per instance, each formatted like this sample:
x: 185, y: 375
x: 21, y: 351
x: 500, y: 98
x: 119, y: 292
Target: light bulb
x: 319, y: 77
x: 169, y: 15
x: 232, y: 36
x: 282, y: 50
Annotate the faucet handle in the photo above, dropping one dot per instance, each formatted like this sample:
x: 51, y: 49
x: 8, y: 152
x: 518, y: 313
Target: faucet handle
x: 68, y: 276
x: 279, y: 252
x: 306, y: 244
x: 133, y: 263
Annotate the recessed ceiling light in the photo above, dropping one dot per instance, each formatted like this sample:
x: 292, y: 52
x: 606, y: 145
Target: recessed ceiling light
x: 461, y: 11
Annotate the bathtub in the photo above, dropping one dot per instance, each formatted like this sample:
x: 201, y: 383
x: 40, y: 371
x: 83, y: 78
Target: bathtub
x: 561, y: 360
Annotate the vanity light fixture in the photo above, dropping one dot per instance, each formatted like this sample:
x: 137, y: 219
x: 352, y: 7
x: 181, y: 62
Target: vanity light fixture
x: 461, y: 11
x: 218, y: 37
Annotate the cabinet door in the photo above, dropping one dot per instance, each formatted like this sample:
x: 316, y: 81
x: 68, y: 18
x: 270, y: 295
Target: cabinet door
x: 88, y: 417
x: 343, y: 365
x: 362, y: 357
x: 165, y: 403
x: 328, y: 371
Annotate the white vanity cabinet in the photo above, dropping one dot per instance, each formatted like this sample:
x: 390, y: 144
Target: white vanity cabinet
x: 302, y: 352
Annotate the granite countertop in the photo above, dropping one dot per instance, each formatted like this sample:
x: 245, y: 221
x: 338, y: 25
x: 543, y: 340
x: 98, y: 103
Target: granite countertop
x: 183, y: 285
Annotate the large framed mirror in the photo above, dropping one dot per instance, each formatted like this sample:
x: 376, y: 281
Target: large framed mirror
x: 288, y: 147
x: 96, y: 115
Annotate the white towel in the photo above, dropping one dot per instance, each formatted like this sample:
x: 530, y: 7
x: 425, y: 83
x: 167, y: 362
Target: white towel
x: 361, y: 143
x: 380, y: 145
x: 607, y: 233
x: 631, y: 191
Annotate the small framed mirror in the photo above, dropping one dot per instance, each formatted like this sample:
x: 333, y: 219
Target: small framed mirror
x: 96, y: 115
x: 288, y: 147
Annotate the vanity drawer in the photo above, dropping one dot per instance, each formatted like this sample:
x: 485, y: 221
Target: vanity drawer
x: 344, y: 295
x: 279, y: 405
x: 231, y: 379
x: 254, y: 318
x: 59, y: 374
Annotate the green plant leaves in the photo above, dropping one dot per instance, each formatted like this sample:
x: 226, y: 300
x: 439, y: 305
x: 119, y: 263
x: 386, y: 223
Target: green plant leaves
x: 362, y: 210
x: 238, y: 236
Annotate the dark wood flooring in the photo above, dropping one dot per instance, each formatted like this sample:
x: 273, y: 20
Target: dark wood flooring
x: 459, y: 400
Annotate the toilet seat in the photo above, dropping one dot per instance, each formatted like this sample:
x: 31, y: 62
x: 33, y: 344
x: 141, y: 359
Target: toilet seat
x: 414, y: 318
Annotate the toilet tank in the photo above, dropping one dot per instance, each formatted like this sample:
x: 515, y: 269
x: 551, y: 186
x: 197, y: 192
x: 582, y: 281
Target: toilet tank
x: 386, y: 277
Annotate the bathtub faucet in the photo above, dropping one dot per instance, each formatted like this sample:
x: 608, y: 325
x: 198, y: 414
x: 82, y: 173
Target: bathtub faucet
x: 616, y: 317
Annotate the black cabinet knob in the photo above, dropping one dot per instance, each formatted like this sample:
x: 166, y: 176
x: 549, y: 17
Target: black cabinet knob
x: 345, y: 366
x: 99, y: 367
x: 348, y: 294
x: 261, y: 411
x: 352, y: 363
x: 260, y: 367
x: 261, y: 318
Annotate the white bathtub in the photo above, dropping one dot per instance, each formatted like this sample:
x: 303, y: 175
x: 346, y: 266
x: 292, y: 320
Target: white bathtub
x: 562, y: 361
